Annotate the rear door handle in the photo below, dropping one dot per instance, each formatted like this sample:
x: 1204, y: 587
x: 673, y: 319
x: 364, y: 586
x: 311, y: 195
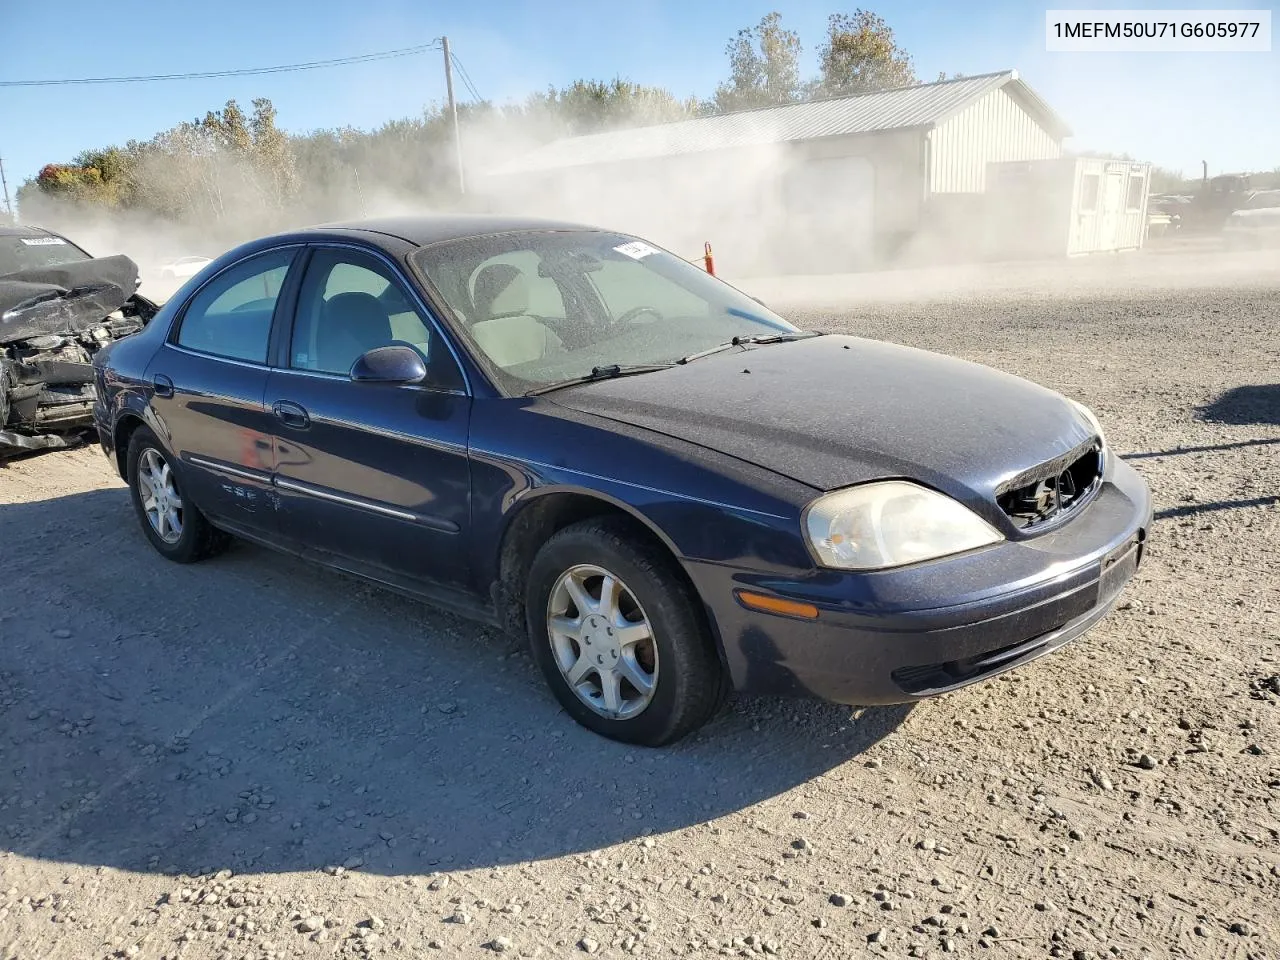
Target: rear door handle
x: 291, y: 414
x: 163, y: 385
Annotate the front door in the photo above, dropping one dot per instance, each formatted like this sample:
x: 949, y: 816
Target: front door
x: 209, y: 380
x: 373, y: 473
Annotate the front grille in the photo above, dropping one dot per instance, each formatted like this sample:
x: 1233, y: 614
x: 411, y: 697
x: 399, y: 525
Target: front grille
x: 933, y: 678
x: 1052, y: 489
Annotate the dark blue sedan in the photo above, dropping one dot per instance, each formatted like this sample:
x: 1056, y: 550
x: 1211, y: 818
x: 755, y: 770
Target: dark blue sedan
x: 573, y: 434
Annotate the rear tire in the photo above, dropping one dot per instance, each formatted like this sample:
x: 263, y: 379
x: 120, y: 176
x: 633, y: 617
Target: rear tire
x: 173, y: 524
x: 579, y: 649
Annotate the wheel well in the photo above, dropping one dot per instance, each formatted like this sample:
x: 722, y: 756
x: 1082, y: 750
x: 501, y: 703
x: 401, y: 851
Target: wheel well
x: 532, y: 527
x: 124, y: 429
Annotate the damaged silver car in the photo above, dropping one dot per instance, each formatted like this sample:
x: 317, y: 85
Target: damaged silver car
x: 58, y: 306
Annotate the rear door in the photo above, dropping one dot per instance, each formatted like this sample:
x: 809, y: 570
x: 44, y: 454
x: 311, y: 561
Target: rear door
x: 376, y: 474
x: 209, y: 379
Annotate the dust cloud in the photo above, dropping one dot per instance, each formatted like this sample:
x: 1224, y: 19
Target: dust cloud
x: 828, y: 225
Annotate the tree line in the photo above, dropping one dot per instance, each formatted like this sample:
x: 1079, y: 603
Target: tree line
x: 233, y: 172
x: 237, y: 168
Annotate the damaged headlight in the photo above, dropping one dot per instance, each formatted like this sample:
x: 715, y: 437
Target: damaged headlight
x: 892, y: 523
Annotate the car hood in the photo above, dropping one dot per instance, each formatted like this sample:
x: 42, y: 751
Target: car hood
x: 64, y: 299
x: 836, y: 410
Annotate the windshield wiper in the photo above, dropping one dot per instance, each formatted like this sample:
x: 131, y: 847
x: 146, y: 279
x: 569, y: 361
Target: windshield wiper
x: 742, y: 341
x: 607, y: 372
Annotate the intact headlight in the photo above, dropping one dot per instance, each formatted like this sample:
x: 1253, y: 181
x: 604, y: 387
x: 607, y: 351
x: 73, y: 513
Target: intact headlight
x: 891, y: 523
x: 1093, y: 420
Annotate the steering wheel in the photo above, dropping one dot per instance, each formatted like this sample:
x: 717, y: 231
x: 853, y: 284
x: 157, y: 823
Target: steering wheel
x: 634, y: 312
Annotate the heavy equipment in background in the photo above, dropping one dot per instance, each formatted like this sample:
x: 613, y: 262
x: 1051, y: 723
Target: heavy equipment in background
x: 1206, y: 210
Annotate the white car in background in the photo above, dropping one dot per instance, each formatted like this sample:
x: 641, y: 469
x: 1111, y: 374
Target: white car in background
x: 1257, y: 223
x: 183, y: 267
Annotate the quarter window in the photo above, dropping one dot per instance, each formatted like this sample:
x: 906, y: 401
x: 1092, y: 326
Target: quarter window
x: 231, y: 316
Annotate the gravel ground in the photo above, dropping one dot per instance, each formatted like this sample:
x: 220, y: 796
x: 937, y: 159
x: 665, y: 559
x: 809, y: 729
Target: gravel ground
x: 252, y: 758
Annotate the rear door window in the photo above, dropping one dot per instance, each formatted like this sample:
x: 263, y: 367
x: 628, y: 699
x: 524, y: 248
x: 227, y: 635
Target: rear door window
x: 231, y: 316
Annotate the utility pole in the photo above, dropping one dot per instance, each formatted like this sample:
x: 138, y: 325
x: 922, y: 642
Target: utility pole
x: 8, y: 210
x: 453, y: 110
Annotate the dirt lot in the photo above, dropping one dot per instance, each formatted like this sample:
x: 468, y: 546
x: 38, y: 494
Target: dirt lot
x: 252, y: 758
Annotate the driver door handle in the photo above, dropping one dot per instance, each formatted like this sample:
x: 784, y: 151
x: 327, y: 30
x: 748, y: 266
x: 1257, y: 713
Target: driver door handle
x: 291, y: 414
x: 163, y: 385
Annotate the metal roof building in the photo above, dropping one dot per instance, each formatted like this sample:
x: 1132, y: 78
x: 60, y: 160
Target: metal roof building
x: 918, y: 108
x: 857, y: 172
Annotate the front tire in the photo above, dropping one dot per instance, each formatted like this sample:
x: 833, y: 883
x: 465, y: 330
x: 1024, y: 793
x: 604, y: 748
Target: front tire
x: 174, y: 525
x: 620, y: 635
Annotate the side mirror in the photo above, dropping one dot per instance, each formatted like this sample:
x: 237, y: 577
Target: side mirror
x: 392, y: 364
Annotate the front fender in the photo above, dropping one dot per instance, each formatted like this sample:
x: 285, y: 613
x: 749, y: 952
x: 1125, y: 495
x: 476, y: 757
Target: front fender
x: 701, y: 504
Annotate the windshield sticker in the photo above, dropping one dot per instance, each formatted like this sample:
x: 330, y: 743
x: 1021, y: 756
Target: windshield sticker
x: 636, y: 249
x: 43, y: 241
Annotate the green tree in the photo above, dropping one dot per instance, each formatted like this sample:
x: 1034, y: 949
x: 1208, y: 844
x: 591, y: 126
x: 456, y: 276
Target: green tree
x: 860, y: 55
x: 588, y: 106
x: 764, y: 67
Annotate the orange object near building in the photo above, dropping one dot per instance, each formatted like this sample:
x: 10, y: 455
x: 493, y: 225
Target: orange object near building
x: 710, y: 261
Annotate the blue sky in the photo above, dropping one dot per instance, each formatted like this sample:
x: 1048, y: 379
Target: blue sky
x: 1173, y: 109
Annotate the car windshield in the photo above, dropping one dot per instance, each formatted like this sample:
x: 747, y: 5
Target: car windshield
x: 36, y: 253
x: 549, y: 306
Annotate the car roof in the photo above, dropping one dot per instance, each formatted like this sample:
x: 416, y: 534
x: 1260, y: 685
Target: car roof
x: 438, y: 228
x: 25, y: 231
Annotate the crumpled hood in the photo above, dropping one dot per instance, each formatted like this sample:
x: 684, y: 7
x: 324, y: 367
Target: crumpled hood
x: 65, y: 299
x: 836, y: 410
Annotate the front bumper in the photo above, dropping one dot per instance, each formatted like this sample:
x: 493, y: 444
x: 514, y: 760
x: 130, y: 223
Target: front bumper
x: 902, y: 635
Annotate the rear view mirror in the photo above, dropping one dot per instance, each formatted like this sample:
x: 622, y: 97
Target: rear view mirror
x: 391, y: 364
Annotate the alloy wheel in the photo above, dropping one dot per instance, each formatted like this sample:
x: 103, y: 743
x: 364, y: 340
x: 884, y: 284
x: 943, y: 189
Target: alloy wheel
x: 160, y: 498
x: 602, y: 641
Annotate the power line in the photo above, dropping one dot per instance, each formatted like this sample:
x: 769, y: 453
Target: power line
x: 245, y: 72
x: 466, y: 78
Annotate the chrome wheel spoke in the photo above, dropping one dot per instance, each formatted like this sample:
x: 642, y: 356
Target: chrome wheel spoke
x: 578, y: 594
x: 565, y: 626
x: 610, y: 590
x: 633, y: 633
x: 162, y: 523
x: 634, y: 674
x: 611, y: 691
x: 579, y: 671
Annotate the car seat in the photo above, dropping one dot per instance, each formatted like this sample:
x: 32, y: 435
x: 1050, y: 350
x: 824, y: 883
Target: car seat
x: 350, y: 325
x: 503, y: 328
